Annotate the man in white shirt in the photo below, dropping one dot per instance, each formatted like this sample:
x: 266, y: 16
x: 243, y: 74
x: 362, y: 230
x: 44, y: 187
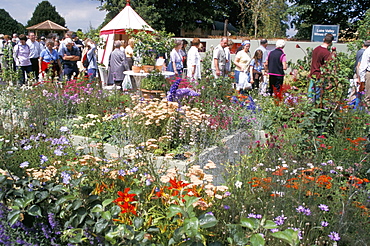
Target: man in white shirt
x: 35, y: 50
x: 364, y: 75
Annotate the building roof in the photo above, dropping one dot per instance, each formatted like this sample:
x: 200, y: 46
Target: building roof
x: 126, y: 19
x: 47, y: 25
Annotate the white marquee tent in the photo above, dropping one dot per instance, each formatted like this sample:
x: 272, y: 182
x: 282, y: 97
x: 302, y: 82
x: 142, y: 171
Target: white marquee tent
x: 116, y: 30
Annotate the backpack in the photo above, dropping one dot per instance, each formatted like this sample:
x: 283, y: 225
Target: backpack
x: 85, y: 61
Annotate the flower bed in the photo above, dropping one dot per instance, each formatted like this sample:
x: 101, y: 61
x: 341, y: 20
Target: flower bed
x: 300, y: 174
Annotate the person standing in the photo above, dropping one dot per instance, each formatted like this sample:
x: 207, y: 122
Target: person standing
x: 194, y: 60
x: 129, y: 51
x: 70, y: 54
x: 364, y: 75
x: 230, y: 44
x: 117, y: 65
x: 175, y: 64
x: 320, y: 55
x: 21, y: 55
x: 183, y: 52
x: 256, y: 68
x: 276, y: 64
x: 91, y: 59
x: 242, y: 61
x: 49, y: 59
x: 35, y: 50
x: 263, y: 48
x: 219, y: 60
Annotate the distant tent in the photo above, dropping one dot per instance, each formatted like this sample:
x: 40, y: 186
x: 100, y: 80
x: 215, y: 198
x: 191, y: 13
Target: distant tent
x: 116, y: 30
x: 47, y: 27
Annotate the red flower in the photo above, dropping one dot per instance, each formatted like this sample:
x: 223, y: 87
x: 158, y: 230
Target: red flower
x: 123, y: 201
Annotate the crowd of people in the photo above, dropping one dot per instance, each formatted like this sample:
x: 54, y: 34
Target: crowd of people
x: 35, y: 58
x: 66, y: 58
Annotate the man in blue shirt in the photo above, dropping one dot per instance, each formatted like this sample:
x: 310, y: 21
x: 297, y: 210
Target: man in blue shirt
x: 70, y: 55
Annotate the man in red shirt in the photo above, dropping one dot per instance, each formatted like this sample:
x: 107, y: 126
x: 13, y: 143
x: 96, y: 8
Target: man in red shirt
x: 320, y: 55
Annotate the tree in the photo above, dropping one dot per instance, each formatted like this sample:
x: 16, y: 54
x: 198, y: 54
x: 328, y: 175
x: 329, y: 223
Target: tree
x: 45, y: 11
x: 172, y: 15
x: 8, y: 24
x: 306, y: 13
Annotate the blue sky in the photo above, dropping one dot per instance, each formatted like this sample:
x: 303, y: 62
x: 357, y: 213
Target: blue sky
x: 77, y: 13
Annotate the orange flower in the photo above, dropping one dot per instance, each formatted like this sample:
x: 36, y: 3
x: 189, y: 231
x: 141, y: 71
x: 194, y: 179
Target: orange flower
x: 324, y: 181
x: 280, y: 171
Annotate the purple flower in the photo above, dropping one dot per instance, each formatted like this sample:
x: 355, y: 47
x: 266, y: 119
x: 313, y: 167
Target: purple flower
x: 58, y: 152
x: 300, y: 209
x: 226, y: 207
x: 255, y: 216
x: 334, y: 236
x: 307, y: 211
x: 27, y: 147
x: 274, y: 230
x: 148, y: 182
x: 134, y: 169
x: 66, y: 177
x: 24, y: 164
x: 43, y: 159
x: 280, y: 220
x: 324, y: 223
x: 324, y: 207
x: 121, y: 172
x: 210, y: 213
x: 227, y: 193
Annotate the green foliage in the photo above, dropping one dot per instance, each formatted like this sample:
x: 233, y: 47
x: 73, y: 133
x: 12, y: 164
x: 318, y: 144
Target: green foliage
x: 307, y: 13
x: 45, y: 11
x: 155, y: 81
x: 149, y: 45
x: 363, y: 27
x: 9, y: 25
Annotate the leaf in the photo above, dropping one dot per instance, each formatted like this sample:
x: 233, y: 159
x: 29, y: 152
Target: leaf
x: 100, y: 225
x: 35, y: 210
x: 174, y: 210
x: 13, y: 216
x: 107, y: 202
x: 270, y: 225
x: 76, y: 204
x: 240, y: 238
x: 106, y: 215
x: 191, y: 226
x: 64, y: 199
x: 257, y: 240
x: 138, y: 222
x: 97, y: 209
x: 207, y: 221
x: 289, y: 236
x: 250, y: 223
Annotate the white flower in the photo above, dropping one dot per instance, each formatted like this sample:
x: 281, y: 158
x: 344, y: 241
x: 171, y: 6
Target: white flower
x: 63, y: 129
x: 238, y: 184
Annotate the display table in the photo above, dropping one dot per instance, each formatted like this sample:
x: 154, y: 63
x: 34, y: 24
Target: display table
x: 139, y: 76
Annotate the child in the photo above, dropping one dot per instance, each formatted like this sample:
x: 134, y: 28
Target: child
x: 256, y: 67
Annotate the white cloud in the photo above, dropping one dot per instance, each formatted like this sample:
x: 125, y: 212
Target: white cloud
x: 77, y: 13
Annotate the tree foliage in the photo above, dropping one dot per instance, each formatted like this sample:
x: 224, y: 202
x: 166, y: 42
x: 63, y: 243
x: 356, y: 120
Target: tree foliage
x: 8, y: 24
x: 306, y: 13
x: 174, y: 15
x: 45, y: 11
